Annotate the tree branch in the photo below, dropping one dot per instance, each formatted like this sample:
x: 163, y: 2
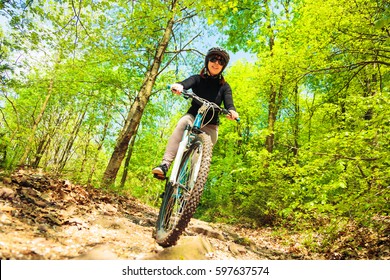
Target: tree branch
x: 176, y: 53
x: 347, y: 67
x: 338, y: 156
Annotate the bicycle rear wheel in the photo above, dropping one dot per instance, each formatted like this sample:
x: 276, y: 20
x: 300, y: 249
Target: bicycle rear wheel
x: 180, y: 200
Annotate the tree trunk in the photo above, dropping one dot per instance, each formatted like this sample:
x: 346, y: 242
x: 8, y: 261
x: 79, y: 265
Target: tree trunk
x: 270, y: 138
x: 36, y: 122
x: 136, y: 110
x: 272, y: 112
x: 127, y: 161
x: 66, y: 152
x: 297, y: 116
x: 100, y: 145
x: 43, y: 144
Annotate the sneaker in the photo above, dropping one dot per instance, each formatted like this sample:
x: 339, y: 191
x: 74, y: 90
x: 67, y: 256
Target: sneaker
x: 160, y: 171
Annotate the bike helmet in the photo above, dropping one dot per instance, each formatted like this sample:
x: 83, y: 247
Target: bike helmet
x: 217, y: 51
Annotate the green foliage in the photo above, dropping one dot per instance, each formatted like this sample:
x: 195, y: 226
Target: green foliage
x: 330, y: 161
x: 319, y: 86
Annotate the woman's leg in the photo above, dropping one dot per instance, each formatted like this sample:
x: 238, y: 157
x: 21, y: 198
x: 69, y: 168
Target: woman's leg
x: 174, y: 140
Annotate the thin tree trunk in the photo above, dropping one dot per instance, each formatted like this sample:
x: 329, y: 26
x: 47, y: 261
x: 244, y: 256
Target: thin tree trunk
x: 104, y: 134
x: 270, y: 138
x: 36, y: 122
x: 65, y: 154
x: 85, y: 157
x: 54, y: 146
x: 127, y: 161
x: 296, y: 122
x: 43, y: 144
x: 128, y: 158
x: 137, y: 109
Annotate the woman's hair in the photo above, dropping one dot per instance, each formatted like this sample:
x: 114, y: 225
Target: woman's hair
x: 204, y: 73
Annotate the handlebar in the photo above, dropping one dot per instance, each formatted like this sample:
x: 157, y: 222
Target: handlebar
x: 189, y: 94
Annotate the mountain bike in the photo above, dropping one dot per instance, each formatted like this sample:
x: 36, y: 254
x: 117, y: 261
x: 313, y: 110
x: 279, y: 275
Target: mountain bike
x: 190, y: 169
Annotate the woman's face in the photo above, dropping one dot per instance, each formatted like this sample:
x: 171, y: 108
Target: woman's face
x: 215, y: 65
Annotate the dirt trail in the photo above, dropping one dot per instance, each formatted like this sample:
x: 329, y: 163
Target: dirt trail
x: 42, y: 217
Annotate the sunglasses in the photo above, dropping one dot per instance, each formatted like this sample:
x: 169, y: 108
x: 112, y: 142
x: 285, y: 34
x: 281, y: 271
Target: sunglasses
x: 221, y: 61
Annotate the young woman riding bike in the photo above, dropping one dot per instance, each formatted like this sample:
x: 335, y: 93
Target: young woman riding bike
x: 210, y: 85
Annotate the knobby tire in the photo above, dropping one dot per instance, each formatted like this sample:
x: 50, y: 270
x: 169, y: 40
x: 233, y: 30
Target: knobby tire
x: 175, y: 211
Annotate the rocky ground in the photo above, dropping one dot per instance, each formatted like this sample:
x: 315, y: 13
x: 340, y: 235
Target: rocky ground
x: 43, y: 217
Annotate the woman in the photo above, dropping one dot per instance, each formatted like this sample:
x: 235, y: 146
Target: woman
x: 210, y: 85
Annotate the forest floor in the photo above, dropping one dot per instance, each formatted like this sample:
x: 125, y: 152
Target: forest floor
x: 47, y: 218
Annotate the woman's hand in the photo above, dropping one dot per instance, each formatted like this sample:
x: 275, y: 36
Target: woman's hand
x: 177, y: 88
x: 233, y: 115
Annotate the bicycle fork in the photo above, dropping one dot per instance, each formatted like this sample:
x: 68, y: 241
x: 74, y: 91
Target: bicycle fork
x: 179, y: 155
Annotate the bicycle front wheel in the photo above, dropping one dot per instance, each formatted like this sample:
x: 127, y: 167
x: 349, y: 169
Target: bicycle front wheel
x: 180, y: 200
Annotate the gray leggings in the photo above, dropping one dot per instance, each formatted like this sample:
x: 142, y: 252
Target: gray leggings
x: 174, y: 140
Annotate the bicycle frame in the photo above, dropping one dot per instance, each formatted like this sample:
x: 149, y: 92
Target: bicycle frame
x: 190, y: 130
x: 184, y: 143
x: 180, y: 152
